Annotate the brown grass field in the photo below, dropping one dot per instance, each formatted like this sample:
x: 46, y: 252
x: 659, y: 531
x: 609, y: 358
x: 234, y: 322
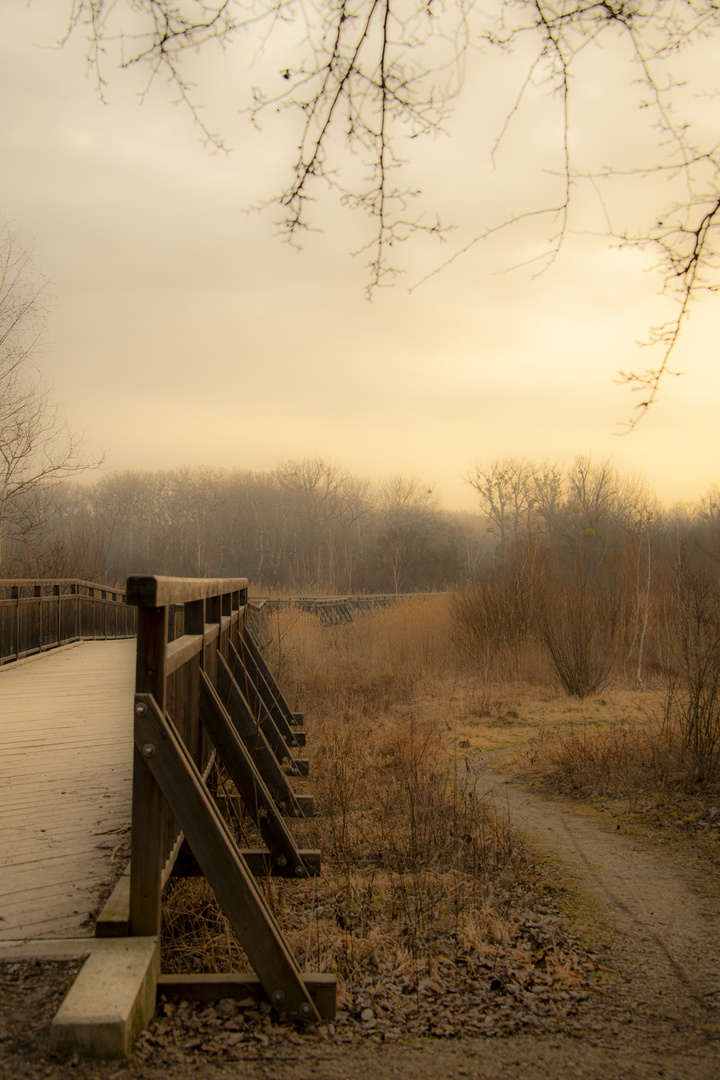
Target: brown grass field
x: 427, y: 901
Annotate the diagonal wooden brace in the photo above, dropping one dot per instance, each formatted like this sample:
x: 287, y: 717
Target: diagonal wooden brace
x: 177, y: 775
x: 248, y: 781
x: 271, y: 694
x: 254, y: 736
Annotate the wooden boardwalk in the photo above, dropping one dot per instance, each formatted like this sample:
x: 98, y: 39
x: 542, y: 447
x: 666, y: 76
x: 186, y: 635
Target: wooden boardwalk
x: 65, y: 785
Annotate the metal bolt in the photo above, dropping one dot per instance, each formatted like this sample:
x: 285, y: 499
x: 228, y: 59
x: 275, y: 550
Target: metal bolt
x: 140, y: 709
x: 299, y: 870
x: 278, y: 998
x: 306, y: 1010
x: 148, y: 749
x: 281, y: 860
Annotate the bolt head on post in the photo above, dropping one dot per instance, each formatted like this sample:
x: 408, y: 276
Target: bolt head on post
x: 148, y: 750
x: 306, y: 1010
x: 278, y: 998
x: 140, y: 708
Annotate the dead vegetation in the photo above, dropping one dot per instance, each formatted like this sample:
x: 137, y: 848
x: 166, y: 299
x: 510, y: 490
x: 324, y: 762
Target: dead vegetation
x: 428, y: 908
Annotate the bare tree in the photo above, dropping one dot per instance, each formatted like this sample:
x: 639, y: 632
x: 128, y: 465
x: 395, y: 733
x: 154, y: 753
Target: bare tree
x: 408, y: 521
x: 37, y: 448
x: 506, y: 492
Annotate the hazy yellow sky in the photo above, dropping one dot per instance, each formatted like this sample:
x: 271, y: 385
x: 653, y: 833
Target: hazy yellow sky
x: 182, y: 331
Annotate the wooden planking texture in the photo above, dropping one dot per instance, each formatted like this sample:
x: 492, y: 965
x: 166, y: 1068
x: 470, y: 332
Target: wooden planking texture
x: 66, y: 751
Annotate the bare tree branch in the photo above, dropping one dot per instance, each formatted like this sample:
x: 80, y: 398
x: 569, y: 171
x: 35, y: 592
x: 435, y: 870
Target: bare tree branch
x: 368, y: 76
x: 37, y: 448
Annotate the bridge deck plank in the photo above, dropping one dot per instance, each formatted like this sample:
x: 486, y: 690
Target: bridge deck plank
x: 65, y: 785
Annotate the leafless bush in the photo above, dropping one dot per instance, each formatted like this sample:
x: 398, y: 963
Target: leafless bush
x: 693, y: 700
x: 580, y: 629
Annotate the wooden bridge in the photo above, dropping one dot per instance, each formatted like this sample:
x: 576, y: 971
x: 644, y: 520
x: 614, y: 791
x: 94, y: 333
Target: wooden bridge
x: 65, y: 785
x: 333, y: 610
x: 199, y: 705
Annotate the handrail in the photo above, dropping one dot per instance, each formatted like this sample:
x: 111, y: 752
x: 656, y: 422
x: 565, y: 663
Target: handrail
x: 154, y: 590
x: 204, y: 697
x: 38, y: 614
x: 171, y: 652
x: 51, y: 583
x: 331, y: 610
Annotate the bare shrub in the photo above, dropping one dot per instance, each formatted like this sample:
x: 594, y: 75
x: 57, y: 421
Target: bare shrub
x: 580, y: 629
x: 693, y: 699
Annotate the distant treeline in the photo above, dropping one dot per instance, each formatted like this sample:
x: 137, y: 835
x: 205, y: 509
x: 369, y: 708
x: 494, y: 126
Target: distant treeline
x: 308, y: 524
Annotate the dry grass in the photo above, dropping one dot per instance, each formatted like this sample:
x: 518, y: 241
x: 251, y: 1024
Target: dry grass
x: 423, y: 892
x: 425, y: 898
x: 376, y: 661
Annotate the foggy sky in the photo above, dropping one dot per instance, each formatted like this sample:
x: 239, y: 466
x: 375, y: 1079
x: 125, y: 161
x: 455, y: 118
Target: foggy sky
x: 182, y: 331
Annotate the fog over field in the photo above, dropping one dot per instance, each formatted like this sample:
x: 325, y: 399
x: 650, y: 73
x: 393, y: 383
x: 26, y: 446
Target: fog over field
x: 182, y: 331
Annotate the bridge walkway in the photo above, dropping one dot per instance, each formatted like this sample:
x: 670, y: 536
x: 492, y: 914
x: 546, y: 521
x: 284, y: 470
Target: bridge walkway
x: 66, y: 743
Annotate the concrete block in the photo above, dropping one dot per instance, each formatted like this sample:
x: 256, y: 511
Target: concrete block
x: 111, y: 1000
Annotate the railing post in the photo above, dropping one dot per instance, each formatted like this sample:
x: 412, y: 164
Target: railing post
x: 56, y: 592
x: 235, y: 603
x: 147, y: 840
x: 75, y: 608
x: 37, y: 593
x: 195, y: 623
x: 15, y: 595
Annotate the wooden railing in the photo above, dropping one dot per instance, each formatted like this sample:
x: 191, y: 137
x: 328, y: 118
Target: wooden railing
x: 41, y: 614
x: 206, y: 709
x: 332, y: 610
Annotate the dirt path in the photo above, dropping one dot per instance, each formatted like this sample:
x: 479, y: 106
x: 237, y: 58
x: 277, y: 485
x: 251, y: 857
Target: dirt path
x: 651, y: 918
x: 657, y: 907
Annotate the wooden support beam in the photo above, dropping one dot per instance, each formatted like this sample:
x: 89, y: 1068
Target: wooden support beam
x: 256, y: 928
x: 274, y: 727
x: 248, y: 781
x: 321, y: 988
x: 254, y: 735
x: 259, y: 697
x: 259, y: 862
x: 273, y: 695
x: 305, y: 802
x: 114, y: 919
